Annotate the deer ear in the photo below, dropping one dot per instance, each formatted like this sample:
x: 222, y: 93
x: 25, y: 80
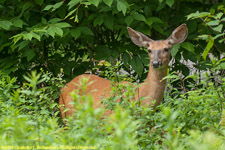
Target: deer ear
x: 138, y: 38
x: 179, y: 35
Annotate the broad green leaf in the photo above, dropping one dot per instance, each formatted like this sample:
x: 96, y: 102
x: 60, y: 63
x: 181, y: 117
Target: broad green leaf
x: 51, y: 31
x: 218, y: 28
x: 95, y: 2
x: 98, y: 21
x: 144, y: 58
x: 198, y: 15
x: 170, y: 2
x: 85, y: 30
x: 220, y: 66
x: 219, y: 15
x: 73, y: 3
x: 174, y: 50
x: 18, y: 23
x: 58, y: 31
x: 43, y: 20
x: 218, y: 35
x: 17, y: 37
x: 158, y: 28
x: 129, y: 20
x: 57, y: 5
x: 75, y: 33
x: 188, y: 46
x: 126, y: 58
x: 203, y: 37
x: 5, y: 24
x: 139, y: 17
x: 121, y: 6
x: 137, y: 65
x: 152, y: 20
x: 213, y: 23
x: 62, y: 25
x: 27, y: 36
x: 108, y: 2
x: 208, y: 47
x: 36, y: 36
x: 48, y: 7
x: 54, y: 20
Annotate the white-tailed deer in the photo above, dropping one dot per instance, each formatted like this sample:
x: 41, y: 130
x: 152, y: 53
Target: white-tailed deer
x: 153, y: 87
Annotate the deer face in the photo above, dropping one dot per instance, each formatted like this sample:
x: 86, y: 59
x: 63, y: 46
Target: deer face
x: 159, y: 51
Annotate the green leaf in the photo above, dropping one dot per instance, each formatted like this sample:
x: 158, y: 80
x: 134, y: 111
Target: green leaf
x: 70, y: 13
x: 27, y: 36
x: 29, y: 53
x: 5, y: 24
x: 51, y: 31
x: 218, y: 35
x: 152, y: 20
x: 219, y: 15
x: 220, y: 66
x: 36, y: 36
x: 57, y: 5
x: 98, y: 21
x: 198, y: 15
x: 86, y: 31
x: 43, y: 20
x: 73, y: 3
x: 174, y: 50
x: 137, y: 65
x: 170, y: 2
x: 95, y: 2
x: 58, y: 31
x: 121, y: 6
x: 213, y: 23
x: 54, y: 20
x: 129, y: 20
x: 62, y: 25
x: 23, y: 44
x: 139, y: 17
x: 218, y: 28
x: 188, y: 46
x: 18, y: 23
x: 208, y: 47
x: 48, y: 7
x: 108, y: 2
x: 126, y: 58
x: 75, y: 33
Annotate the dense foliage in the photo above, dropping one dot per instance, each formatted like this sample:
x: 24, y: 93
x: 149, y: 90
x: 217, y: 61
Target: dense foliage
x: 76, y: 35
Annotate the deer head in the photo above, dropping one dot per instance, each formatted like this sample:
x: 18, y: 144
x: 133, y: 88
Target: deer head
x: 159, y: 51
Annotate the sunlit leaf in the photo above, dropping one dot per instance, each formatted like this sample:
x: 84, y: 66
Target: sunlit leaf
x: 208, y: 47
x: 5, y: 24
x: 121, y: 6
x: 108, y: 2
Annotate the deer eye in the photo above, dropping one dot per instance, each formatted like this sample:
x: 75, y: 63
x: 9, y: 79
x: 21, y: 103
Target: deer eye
x: 166, y: 49
x: 149, y: 50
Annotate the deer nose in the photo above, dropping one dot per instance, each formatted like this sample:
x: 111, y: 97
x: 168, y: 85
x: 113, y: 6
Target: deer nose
x: 156, y: 64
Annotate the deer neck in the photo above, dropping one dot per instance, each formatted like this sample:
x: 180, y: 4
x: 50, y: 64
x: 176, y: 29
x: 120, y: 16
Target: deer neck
x: 153, y: 88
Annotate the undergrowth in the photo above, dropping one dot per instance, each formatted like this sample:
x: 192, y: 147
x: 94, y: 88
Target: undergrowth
x: 190, y: 120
